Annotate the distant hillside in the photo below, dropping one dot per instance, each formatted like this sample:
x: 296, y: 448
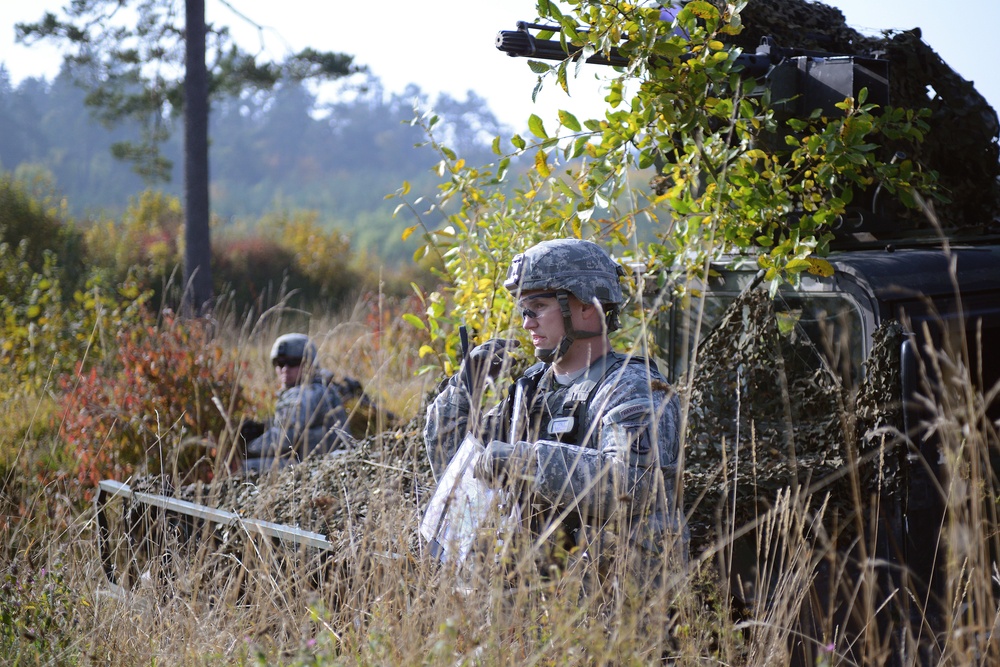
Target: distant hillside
x: 278, y: 152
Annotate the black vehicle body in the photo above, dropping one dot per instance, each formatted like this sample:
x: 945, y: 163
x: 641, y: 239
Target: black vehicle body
x: 946, y: 299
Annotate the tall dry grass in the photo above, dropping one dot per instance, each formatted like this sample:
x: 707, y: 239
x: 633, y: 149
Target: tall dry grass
x: 210, y: 598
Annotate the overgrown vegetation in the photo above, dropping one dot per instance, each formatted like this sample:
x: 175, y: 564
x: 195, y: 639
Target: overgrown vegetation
x: 100, y: 380
x: 731, y: 175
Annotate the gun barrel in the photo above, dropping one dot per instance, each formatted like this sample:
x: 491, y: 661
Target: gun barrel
x: 520, y: 43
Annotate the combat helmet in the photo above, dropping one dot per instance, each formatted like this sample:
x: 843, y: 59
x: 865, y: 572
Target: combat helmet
x: 569, y: 266
x: 294, y: 346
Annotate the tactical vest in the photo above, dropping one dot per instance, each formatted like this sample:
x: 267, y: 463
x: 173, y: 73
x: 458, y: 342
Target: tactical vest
x: 557, y: 412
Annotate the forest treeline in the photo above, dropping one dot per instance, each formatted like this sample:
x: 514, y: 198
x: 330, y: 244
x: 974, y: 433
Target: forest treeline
x: 274, y: 153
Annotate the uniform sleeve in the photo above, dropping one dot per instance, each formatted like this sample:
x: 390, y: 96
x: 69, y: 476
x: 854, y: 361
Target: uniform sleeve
x: 446, y: 425
x: 334, y: 414
x: 635, y: 443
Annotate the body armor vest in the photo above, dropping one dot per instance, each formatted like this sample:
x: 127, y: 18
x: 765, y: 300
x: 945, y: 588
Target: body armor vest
x: 559, y: 412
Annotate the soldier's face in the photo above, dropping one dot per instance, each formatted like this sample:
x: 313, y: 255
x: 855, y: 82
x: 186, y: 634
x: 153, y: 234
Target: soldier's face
x: 542, y: 318
x: 288, y: 375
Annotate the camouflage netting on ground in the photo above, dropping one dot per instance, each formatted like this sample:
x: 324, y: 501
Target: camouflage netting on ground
x: 365, y: 501
x: 962, y: 143
x: 331, y: 494
x: 752, y: 385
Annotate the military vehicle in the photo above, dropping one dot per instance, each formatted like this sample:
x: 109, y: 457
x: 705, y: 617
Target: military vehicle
x: 832, y: 388
x: 827, y: 388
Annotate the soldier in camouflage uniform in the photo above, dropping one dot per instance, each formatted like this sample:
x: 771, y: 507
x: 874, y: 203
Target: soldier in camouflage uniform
x: 309, y: 415
x: 599, y: 447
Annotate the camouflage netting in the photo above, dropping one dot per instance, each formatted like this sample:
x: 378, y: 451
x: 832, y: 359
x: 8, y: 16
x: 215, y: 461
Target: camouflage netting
x: 740, y: 446
x: 740, y: 435
x: 340, y: 493
x: 767, y: 413
x: 962, y: 144
x: 364, y: 500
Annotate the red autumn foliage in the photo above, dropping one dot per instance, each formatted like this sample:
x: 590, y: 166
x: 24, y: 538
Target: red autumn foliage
x: 129, y: 414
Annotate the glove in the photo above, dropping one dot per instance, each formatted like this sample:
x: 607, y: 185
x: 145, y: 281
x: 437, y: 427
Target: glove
x: 515, y: 460
x: 485, y: 361
x: 250, y: 430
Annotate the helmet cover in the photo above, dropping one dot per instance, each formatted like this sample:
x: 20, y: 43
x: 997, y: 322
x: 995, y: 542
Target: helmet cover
x: 294, y: 346
x: 579, y: 267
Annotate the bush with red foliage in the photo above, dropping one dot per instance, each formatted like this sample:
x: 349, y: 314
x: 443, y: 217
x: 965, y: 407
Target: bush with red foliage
x: 128, y: 415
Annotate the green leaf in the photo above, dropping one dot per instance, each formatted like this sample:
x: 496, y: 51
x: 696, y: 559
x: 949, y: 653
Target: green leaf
x: 518, y: 142
x: 614, y: 97
x: 569, y: 121
x: 502, y: 168
x: 539, y: 67
x: 796, y: 265
x: 415, y: 321
x: 496, y: 145
x: 537, y: 127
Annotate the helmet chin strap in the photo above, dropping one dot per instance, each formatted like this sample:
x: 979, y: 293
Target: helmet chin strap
x: 570, y: 335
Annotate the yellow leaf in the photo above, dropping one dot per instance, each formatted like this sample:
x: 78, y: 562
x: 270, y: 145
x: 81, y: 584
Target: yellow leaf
x: 820, y: 267
x: 541, y: 165
x: 797, y: 265
x: 425, y: 350
x: 408, y: 231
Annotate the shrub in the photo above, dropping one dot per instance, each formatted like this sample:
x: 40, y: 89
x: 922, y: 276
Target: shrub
x: 37, y: 614
x: 254, y: 271
x: 118, y: 416
x: 145, y: 244
x: 321, y: 256
x: 24, y: 219
x: 43, y: 332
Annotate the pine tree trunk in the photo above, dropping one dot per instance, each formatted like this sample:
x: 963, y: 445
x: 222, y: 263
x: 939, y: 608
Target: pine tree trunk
x: 197, y: 251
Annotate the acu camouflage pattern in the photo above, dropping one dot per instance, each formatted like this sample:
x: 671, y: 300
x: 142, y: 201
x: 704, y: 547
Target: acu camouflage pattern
x: 616, y: 480
x: 579, y: 267
x: 306, y: 419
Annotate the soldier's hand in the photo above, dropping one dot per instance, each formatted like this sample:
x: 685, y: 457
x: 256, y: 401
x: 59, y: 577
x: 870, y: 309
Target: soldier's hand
x: 486, y: 361
x: 499, y: 459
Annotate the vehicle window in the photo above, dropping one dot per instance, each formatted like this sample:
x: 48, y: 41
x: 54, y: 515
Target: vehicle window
x: 817, y: 329
x: 829, y: 323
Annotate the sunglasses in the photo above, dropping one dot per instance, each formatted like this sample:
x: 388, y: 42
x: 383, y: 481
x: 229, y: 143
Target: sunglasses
x: 527, y: 312
x: 290, y: 362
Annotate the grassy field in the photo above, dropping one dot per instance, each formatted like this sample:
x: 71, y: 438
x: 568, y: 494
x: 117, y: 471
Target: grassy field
x: 821, y: 594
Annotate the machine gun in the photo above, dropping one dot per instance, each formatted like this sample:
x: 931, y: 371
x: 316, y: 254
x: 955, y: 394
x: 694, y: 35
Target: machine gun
x: 800, y: 80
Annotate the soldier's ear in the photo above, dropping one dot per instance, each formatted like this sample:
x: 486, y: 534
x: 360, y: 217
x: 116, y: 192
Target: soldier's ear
x: 592, y: 309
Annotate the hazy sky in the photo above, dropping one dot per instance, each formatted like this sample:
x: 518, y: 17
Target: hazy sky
x: 448, y: 45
